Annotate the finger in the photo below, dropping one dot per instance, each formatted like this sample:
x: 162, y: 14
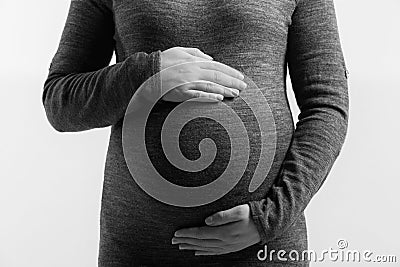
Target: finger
x: 215, y: 88
x: 222, y: 250
x: 194, y: 247
x: 206, y: 253
x: 198, y: 242
x: 196, y: 52
x: 200, y: 94
x: 222, y: 79
x: 215, y: 65
x: 214, y: 252
x: 234, y: 214
x: 205, y: 232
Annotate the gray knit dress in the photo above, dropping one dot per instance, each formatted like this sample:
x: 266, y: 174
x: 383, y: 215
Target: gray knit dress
x: 262, y: 39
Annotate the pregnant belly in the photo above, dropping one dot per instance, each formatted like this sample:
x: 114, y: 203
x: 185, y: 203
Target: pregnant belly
x: 198, y: 158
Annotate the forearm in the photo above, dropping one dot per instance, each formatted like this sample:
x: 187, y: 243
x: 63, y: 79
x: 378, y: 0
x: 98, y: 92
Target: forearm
x: 314, y: 149
x: 82, y: 101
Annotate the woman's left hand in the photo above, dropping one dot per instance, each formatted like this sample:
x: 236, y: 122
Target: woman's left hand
x: 228, y: 231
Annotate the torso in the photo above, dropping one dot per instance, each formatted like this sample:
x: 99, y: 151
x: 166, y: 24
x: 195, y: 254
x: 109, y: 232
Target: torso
x: 250, y: 36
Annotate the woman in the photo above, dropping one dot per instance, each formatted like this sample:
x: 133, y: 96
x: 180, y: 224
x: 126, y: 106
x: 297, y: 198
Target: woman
x: 254, y: 38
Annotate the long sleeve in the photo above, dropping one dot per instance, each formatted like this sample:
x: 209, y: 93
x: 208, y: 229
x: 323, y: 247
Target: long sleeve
x: 81, y: 91
x: 318, y: 73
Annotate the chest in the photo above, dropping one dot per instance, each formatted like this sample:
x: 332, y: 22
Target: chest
x: 222, y: 23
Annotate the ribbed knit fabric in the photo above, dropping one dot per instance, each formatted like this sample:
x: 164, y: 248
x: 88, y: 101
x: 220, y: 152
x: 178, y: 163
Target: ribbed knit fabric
x: 260, y: 39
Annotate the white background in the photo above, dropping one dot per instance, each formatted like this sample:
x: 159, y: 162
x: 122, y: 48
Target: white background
x: 51, y: 182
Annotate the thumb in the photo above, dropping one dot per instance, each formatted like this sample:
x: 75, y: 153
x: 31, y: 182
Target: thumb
x: 234, y: 214
x: 196, y: 52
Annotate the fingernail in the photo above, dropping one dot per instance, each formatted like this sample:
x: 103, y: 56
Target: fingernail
x: 209, y: 220
x: 243, y: 85
x: 220, y: 97
x: 173, y: 241
x: 235, y: 92
x: 241, y: 76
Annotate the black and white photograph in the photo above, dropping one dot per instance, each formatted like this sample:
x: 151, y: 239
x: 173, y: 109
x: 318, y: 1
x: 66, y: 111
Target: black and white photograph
x: 200, y: 133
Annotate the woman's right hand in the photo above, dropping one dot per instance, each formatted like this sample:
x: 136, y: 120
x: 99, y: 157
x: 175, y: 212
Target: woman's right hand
x: 203, y: 77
